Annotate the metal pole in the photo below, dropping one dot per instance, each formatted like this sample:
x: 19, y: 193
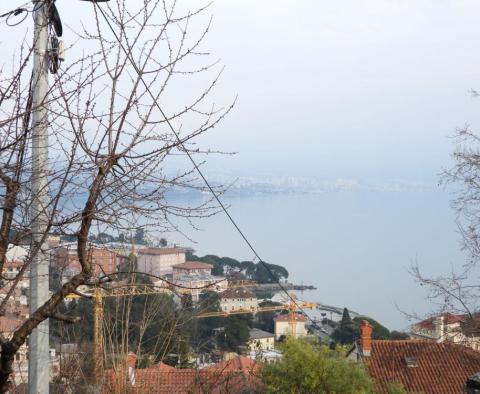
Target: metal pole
x: 38, y: 342
x: 98, y: 337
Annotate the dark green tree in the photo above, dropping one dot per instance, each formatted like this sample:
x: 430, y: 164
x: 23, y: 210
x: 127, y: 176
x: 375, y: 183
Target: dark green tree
x: 379, y: 331
x: 139, y: 237
x: 264, y: 321
x: 346, y: 332
x: 236, y: 332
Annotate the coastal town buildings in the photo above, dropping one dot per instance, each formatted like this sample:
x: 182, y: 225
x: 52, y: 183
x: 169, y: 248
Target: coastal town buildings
x: 236, y: 299
x: 290, y: 324
x: 159, y: 261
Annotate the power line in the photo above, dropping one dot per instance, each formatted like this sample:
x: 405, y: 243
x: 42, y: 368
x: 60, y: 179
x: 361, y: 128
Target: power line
x: 180, y: 142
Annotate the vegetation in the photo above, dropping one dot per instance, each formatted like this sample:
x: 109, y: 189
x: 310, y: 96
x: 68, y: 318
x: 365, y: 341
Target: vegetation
x: 310, y: 367
x: 349, y: 330
x: 252, y: 271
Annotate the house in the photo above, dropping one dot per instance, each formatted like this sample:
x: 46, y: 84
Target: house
x: 65, y: 259
x: 235, y: 376
x: 421, y: 366
x: 236, y: 299
x: 193, y: 277
x: 260, y: 340
x: 290, y: 324
x: 159, y: 261
x: 460, y: 329
x: 191, y: 268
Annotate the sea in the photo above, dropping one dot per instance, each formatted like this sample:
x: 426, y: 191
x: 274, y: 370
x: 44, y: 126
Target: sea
x: 357, y: 247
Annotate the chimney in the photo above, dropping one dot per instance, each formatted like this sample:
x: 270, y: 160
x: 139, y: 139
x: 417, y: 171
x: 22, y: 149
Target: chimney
x: 439, y: 325
x: 131, y: 361
x: 366, y: 330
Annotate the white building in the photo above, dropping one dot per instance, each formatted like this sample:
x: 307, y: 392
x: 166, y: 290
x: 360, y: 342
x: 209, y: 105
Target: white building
x: 260, y: 340
x: 159, y: 261
x: 238, y: 299
x: 290, y: 324
x: 461, y: 329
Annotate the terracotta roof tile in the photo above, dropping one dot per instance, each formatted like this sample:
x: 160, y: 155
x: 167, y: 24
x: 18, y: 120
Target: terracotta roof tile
x: 237, y: 293
x: 442, y: 368
x: 448, y: 318
x: 193, y: 265
x: 233, y: 376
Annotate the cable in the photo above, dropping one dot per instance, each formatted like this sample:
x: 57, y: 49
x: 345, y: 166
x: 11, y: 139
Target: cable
x: 249, y: 244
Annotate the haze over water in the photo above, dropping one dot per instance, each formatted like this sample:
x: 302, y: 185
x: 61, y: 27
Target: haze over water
x: 356, y: 247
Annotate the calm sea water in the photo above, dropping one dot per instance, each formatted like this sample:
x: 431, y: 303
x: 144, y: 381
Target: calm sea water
x: 355, y: 247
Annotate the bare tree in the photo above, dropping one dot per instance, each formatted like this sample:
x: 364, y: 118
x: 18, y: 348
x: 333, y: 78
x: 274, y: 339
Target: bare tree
x: 459, y: 290
x: 109, y: 140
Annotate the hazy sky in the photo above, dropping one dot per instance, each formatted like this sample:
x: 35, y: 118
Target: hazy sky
x: 348, y: 88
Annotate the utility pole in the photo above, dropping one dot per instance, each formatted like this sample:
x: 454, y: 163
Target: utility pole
x: 38, y: 342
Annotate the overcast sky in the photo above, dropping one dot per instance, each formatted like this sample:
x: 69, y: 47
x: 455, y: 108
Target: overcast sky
x: 346, y: 88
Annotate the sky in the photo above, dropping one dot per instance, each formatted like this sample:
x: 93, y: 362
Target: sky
x: 344, y: 89
x: 369, y: 89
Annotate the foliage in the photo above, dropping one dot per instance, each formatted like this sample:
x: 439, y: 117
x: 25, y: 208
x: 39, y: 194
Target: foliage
x: 310, y: 367
x: 236, y: 332
x: 209, y: 301
x: 256, y: 272
x: 396, y: 388
x: 379, y: 331
x: 264, y: 321
x: 398, y: 335
x: 346, y: 332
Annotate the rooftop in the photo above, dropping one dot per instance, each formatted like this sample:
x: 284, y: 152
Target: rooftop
x: 448, y: 318
x: 421, y: 366
x: 193, y: 265
x: 255, y: 333
x: 161, y: 251
x: 234, y: 376
x: 237, y: 293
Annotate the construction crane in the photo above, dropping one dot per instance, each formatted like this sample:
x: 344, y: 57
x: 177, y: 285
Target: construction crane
x: 292, y: 307
x: 98, y: 296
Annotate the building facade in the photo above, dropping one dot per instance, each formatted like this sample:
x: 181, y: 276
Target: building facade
x: 290, y: 324
x: 159, y: 261
x: 260, y: 340
x: 65, y: 259
x: 238, y: 299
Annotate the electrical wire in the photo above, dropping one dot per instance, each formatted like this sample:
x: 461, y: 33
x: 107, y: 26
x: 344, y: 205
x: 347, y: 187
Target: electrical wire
x: 195, y: 165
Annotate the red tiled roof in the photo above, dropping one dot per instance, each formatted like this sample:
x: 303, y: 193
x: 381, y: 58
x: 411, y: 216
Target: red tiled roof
x: 237, y: 293
x: 448, y: 318
x: 162, y: 367
x: 218, y: 379
x: 442, y: 368
x: 161, y: 251
x: 193, y: 265
x: 296, y: 317
x: 240, y: 363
